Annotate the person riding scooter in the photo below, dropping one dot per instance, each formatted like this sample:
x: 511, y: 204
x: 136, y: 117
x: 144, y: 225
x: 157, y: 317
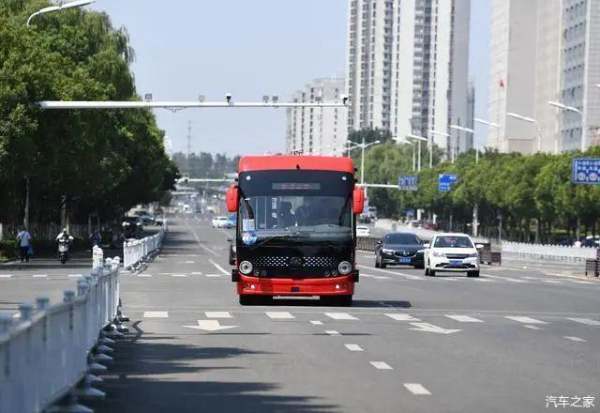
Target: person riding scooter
x: 64, y: 240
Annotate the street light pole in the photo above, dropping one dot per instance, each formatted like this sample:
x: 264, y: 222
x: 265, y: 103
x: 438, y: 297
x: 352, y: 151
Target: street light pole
x: 50, y: 9
x: 529, y: 120
x: 447, y: 135
x: 362, y: 162
x: 567, y: 108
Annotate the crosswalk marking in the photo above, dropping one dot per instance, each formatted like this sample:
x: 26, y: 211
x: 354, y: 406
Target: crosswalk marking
x: 6, y: 275
x: 381, y: 365
x: 332, y: 332
x: 218, y: 314
x: 75, y: 275
x: 575, y: 339
x: 143, y: 275
x: 525, y: 320
x: 279, y: 315
x: 190, y: 262
x: 417, y: 389
x: 586, y: 321
x: 341, y: 316
x: 156, y: 314
x: 401, y: 317
x: 353, y: 347
x: 464, y: 318
x: 552, y: 281
x: 40, y: 275
x: 196, y: 273
x: 531, y: 327
x: 316, y: 322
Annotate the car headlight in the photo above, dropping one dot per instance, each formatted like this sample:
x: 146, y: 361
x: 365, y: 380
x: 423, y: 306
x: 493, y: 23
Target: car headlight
x: 344, y: 268
x: 438, y: 254
x: 246, y: 267
x: 386, y: 251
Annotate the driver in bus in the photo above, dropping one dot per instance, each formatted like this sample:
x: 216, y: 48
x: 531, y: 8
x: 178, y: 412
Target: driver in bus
x: 285, y: 218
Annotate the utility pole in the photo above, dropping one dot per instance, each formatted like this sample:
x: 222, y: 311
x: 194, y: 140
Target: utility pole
x: 189, y: 148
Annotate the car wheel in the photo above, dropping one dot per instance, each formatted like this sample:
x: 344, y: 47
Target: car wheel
x: 473, y: 274
x: 426, y: 272
x: 431, y: 273
x: 382, y: 264
x: 419, y: 266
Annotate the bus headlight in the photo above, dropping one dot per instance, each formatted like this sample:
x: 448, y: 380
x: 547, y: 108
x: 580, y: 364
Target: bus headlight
x: 344, y: 268
x: 246, y: 267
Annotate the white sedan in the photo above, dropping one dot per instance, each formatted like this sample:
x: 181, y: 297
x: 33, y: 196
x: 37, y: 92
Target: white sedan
x: 221, y: 222
x: 362, y: 231
x: 452, y: 253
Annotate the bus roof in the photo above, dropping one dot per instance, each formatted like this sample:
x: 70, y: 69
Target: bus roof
x: 282, y: 162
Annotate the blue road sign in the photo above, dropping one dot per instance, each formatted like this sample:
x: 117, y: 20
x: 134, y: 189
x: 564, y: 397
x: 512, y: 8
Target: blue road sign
x: 408, y: 183
x: 446, y: 182
x: 586, y: 171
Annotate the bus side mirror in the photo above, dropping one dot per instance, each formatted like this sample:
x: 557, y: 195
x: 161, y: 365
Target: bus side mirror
x: 358, y: 201
x: 231, y: 198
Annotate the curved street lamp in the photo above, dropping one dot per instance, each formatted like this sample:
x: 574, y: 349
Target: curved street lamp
x: 61, y: 6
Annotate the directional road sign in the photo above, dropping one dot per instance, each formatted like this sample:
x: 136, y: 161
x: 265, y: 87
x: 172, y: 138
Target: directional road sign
x: 586, y: 171
x: 446, y: 182
x: 408, y: 183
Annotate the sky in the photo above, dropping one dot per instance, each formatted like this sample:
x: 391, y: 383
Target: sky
x: 188, y: 48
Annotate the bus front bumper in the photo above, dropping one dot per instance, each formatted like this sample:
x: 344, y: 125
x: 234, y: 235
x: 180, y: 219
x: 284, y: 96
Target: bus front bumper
x: 343, y: 285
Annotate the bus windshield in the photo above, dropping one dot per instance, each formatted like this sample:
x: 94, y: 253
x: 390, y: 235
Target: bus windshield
x: 298, y: 205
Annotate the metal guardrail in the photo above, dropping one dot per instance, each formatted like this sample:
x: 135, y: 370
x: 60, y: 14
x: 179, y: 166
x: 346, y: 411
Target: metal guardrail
x: 520, y: 250
x: 48, y: 350
x: 134, y: 252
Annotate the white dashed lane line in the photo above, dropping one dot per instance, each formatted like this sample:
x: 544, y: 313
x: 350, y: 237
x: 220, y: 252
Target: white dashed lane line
x: 417, y: 389
x: 196, y: 273
x: 218, y: 314
x: 213, y: 275
x: 6, y: 275
x: 341, y: 316
x: 402, y: 317
x: 218, y: 267
x: 75, y: 275
x: 585, y: 321
x: 381, y: 365
x: 40, y: 275
x: 575, y: 339
x: 464, y: 318
x: 353, y: 347
x: 279, y: 315
x: 156, y: 314
x: 531, y: 327
x: 179, y: 275
x: 525, y: 320
x: 143, y: 275
x: 316, y: 322
x: 332, y: 333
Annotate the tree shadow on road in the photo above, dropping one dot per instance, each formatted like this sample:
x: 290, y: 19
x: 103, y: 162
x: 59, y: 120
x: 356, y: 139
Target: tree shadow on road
x: 158, y: 373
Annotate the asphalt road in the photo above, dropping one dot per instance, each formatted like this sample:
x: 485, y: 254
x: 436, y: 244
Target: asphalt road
x: 505, y: 342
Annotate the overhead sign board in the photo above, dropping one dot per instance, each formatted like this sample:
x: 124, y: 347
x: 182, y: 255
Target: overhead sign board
x: 408, y: 183
x: 446, y: 182
x: 586, y: 171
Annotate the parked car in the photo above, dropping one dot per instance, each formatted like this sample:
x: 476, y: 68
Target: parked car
x: 132, y: 227
x: 362, y: 231
x: 452, y: 253
x: 222, y: 222
x: 399, y: 248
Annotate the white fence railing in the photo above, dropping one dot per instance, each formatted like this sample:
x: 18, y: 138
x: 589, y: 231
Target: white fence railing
x: 49, y: 349
x: 514, y: 250
x: 136, y: 250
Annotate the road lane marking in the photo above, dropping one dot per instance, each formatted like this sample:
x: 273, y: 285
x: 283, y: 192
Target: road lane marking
x: 575, y: 339
x: 213, y: 275
x: 407, y: 276
x: 209, y: 325
x: 464, y: 318
x: 531, y: 327
x: 179, y: 275
x: 156, y: 314
x: 525, y: 320
x: 417, y: 389
x: 483, y: 280
x: 552, y: 281
x: 40, y: 275
x: 581, y: 282
x: 218, y: 267
x: 431, y: 328
x: 353, y: 347
x: 189, y: 262
x: 6, y: 275
x: 332, y: 332
x: 401, y: 317
x: 196, y: 273
x: 586, y: 321
x: 341, y: 316
x: 279, y: 315
x: 204, y: 247
x: 142, y: 275
x: 316, y: 322
x: 381, y: 365
x: 75, y: 275
x: 509, y: 279
x: 218, y: 314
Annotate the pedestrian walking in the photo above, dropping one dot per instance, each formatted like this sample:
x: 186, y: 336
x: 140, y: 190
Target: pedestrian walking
x: 24, y: 244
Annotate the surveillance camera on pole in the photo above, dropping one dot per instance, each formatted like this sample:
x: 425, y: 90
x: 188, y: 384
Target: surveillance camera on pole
x: 265, y: 99
x: 201, y: 98
x: 228, y: 98
x: 344, y: 100
x: 275, y: 98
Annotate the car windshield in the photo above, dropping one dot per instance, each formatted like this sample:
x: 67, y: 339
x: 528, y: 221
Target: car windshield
x: 450, y: 241
x: 405, y: 239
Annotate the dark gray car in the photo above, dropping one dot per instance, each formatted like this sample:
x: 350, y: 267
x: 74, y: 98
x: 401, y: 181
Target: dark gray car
x: 399, y: 248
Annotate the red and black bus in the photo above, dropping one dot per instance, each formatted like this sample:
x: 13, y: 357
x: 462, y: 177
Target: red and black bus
x: 295, y: 236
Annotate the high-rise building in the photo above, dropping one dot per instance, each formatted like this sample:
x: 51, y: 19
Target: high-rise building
x: 544, y: 51
x: 318, y: 131
x: 408, y: 66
